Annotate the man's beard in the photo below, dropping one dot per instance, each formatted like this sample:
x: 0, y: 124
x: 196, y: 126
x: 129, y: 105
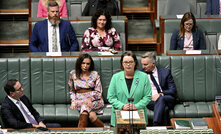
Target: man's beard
x: 54, y: 20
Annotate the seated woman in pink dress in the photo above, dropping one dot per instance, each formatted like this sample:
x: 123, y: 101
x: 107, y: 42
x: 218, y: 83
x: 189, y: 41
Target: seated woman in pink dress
x: 101, y: 36
x: 43, y: 5
x: 86, y: 93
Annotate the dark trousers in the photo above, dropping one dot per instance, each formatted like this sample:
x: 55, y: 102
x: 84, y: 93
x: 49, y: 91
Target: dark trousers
x: 161, y: 109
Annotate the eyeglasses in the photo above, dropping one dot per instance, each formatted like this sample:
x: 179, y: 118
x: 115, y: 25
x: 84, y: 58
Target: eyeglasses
x: 19, y: 89
x: 188, y: 24
x: 128, y: 62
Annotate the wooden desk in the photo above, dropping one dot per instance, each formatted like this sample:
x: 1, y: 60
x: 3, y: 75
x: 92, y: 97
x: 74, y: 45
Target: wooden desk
x: 123, y: 124
x: 72, y: 54
x: 216, y: 116
x: 64, y: 130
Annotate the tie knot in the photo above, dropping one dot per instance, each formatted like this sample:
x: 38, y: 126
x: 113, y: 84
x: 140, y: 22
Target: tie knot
x: 149, y: 72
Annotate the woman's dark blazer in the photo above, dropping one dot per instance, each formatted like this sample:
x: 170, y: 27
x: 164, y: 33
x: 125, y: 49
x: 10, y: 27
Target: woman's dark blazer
x: 177, y: 43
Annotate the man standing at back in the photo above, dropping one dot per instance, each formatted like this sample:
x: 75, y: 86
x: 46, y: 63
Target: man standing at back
x: 163, y: 89
x: 17, y: 111
x: 53, y: 34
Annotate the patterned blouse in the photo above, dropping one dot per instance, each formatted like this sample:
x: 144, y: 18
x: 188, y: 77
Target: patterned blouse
x: 89, y: 101
x: 92, y: 41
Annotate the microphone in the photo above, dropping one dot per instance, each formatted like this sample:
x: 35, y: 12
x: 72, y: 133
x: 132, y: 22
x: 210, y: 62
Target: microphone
x: 130, y: 100
x: 213, y: 45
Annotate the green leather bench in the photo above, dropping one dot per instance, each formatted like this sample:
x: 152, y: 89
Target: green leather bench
x: 45, y: 82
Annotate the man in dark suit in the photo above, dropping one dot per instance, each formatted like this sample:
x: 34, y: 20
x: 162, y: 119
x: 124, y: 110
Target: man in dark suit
x: 17, y: 111
x: 163, y: 89
x: 93, y: 5
x: 213, y: 7
x: 53, y: 34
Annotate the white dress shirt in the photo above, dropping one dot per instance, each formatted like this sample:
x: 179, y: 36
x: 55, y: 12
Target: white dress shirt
x: 50, y: 31
x: 155, y: 75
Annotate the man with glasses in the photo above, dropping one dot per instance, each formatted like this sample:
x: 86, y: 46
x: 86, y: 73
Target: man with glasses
x: 17, y: 111
x: 163, y: 89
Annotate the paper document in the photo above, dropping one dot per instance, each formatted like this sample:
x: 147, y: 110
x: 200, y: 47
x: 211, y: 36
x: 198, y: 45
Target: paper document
x: 179, y: 16
x: 125, y: 115
x: 193, y: 51
x: 105, y: 53
x: 53, y: 54
x: 219, y: 43
x: 157, y: 128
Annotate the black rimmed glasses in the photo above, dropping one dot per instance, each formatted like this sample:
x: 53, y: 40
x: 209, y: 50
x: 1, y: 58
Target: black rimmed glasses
x: 19, y: 89
x: 128, y: 62
x: 188, y: 24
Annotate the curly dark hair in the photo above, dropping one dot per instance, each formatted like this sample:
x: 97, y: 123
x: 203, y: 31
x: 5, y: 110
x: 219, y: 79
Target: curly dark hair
x: 129, y: 53
x: 97, y: 14
x: 79, y: 61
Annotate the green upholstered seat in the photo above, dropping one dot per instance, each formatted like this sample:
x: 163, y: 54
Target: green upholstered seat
x: 45, y: 81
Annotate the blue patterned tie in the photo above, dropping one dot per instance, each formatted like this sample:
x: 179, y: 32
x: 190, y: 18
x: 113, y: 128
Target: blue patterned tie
x: 154, y: 82
x: 31, y: 120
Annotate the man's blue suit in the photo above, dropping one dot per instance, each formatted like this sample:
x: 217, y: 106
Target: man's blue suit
x: 164, y: 103
x: 212, y: 7
x: 13, y: 118
x: 39, y: 37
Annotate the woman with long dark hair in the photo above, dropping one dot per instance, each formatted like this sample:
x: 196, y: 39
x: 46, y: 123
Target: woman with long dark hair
x: 86, y: 92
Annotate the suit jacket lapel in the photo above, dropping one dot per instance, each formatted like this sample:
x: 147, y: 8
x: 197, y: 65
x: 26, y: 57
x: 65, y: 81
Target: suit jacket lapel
x: 134, y: 84
x: 46, y: 32
x: 15, y: 108
x: 123, y: 84
x: 182, y: 45
x: 60, y: 30
x: 159, y: 76
x: 194, y: 40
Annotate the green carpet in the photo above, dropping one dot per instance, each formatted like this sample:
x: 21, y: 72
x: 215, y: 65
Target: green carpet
x: 13, y: 4
x: 140, y: 29
x: 14, y: 30
x: 134, y: 3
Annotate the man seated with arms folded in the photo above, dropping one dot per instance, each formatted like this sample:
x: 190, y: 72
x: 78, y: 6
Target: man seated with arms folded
x: 163, y: 89
x: 53, y: 34
x: 101, y: 36
x: 18, y: 112
x: 188, y: 36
